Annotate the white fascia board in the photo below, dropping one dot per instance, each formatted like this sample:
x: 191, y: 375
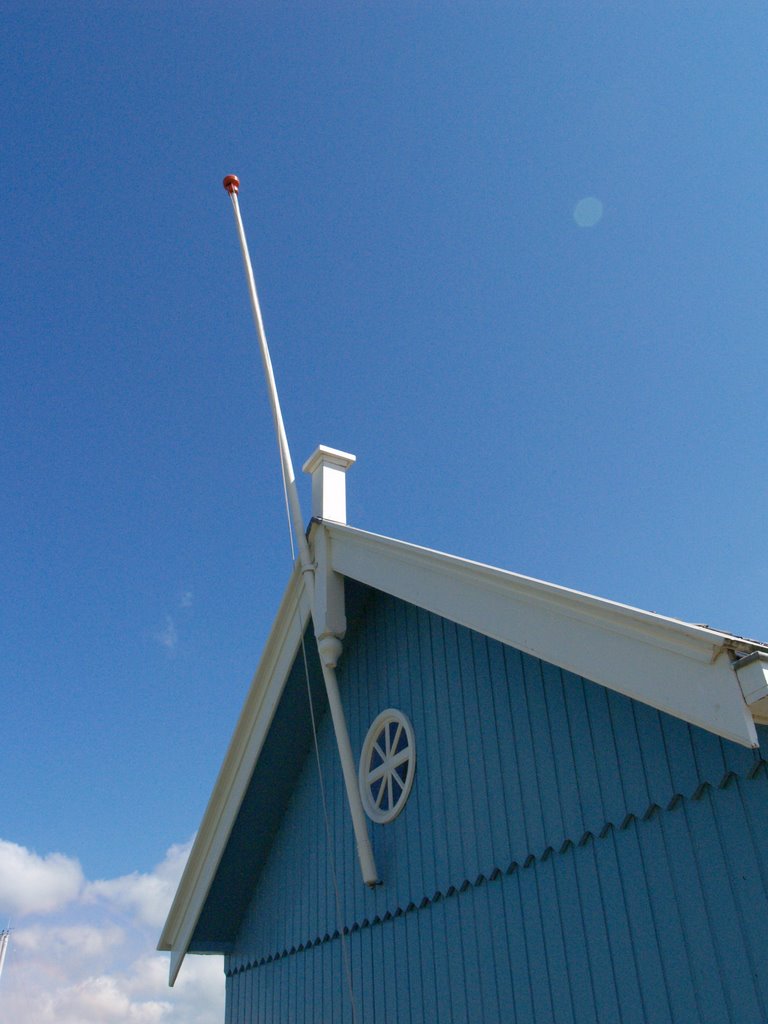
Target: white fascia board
x: 235, y: 774
x: 674, y: 666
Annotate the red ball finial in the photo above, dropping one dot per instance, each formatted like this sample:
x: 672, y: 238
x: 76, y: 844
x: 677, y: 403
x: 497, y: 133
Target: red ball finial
x: 232, y: 184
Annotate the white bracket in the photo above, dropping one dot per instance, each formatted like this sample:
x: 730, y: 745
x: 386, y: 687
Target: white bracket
x: 329, y: 614
x: 752, y: 673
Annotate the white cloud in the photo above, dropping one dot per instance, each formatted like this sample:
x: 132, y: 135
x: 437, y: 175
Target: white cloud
x: 83, y: 941
x: 196, y: 998
x: 72, y: 963
x: 30, y: 884
x: 139, y: 994
x: 147, y: 896
x: 92, y: 1000
x: 168, y: 637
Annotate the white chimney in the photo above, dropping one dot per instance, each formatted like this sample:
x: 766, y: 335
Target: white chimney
x: 328, y: 468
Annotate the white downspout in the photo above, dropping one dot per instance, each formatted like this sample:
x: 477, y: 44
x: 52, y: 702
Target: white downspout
x: 329, y: 649
x: 328, y: 645
x: 328, y: 468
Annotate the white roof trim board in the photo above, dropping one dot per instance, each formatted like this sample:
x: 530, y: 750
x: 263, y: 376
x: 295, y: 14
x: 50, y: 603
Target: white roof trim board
x: 671, y: 665
x: 682, y: 669
x: 235, y: 774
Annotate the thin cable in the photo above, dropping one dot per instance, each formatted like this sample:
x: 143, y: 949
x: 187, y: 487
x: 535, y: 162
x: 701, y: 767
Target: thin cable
x: 231, y: 184
x: 328, y: 836
x: 329, y: 845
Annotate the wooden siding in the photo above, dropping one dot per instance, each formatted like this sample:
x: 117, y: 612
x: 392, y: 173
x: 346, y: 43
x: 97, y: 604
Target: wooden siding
x: 566, y: 854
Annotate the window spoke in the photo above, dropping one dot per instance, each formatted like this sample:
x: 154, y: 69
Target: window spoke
x: 404, y: 755
x: 395, y: 741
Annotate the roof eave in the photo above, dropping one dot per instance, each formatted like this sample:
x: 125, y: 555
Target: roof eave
x: 242, y: 754
x: 635, y: 652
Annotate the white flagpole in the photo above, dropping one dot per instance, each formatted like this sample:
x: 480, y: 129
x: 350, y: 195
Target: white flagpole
x: 364, y: 849
x: 4, y: 937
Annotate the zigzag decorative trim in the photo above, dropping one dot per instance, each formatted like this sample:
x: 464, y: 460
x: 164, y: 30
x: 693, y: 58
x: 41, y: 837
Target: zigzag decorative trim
x: 516, y: 865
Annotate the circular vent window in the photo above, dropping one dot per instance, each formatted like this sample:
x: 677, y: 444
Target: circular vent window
x: 387, y: 766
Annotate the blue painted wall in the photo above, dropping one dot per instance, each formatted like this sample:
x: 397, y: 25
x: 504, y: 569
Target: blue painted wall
x: 566, y: 854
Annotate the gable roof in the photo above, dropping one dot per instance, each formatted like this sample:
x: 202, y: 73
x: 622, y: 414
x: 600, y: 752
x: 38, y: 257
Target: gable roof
x: 683, y: 669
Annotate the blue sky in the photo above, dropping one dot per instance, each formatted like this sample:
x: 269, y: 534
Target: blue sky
x: 582, y: 404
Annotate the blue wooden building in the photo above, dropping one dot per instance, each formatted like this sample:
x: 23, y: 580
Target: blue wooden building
x: 567, y: 797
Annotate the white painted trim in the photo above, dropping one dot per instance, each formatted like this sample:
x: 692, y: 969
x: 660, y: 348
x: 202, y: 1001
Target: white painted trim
x: 332, y: 456
x: 670, y: 665
x: 328, y: 469
x: 231, y: 785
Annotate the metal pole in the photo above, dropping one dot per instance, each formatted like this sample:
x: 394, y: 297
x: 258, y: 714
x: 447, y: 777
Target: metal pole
x: 231, y: 184
x: 4, y: 938
x: 364, y: 849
